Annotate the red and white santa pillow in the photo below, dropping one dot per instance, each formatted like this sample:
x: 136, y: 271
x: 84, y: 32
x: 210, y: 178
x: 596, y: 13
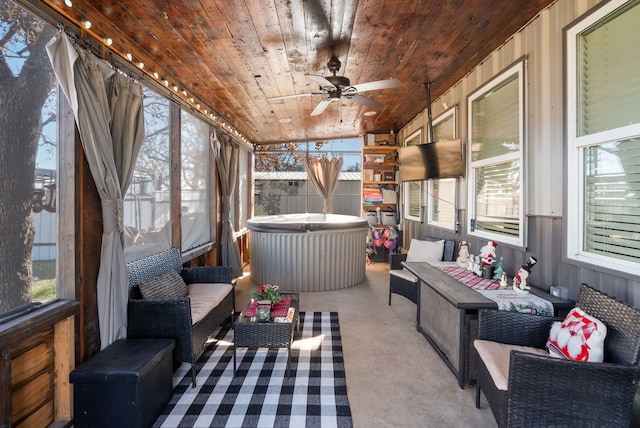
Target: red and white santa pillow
x: 579, y: 337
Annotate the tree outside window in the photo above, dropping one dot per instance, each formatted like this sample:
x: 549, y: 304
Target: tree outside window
x: 28, y: 160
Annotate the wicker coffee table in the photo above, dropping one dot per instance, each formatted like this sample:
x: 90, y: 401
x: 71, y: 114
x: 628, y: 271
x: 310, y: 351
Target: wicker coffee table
x: 276, y: 333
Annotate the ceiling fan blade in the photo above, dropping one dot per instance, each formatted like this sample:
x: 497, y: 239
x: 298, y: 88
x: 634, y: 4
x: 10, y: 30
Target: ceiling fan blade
x: 322, y: 106
x: 365, y: 101
x: 282, y: 97
x: 378, y: 84
x: 324, y: 83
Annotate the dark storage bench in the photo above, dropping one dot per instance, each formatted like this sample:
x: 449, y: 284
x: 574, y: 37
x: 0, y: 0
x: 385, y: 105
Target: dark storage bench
x: 127, y: 384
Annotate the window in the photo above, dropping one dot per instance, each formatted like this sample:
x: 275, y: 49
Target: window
x: 603, y: 97
x: 413, y: 189
x: 441, y: 195
x: 496, y: 141
x: 147, y: 207
x: 195, y: 193
x: 31, y: 186
x: 281, y: 181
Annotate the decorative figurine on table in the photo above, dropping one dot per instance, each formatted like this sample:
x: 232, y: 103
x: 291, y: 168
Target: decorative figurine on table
x: 503, y: 280
x: 477, y: 266
x: 471, y: 263
x: 499, y: 270
x: 463, y: 255
x: 520, y: 280
x: 488, y: 253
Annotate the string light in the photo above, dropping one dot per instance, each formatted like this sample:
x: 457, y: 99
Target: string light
x: 108, y: 41
x: 68, y: 3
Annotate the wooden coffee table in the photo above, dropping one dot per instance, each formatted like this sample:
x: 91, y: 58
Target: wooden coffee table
x: 276, y: 333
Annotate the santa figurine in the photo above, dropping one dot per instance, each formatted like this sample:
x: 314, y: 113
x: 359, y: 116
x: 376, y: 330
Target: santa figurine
x: 520, y: 280
x: 488, y: 253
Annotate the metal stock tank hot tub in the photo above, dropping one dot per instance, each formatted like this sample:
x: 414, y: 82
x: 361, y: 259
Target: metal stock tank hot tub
x: 308, y: 252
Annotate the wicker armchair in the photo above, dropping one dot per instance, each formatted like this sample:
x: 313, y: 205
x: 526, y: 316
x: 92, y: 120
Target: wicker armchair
x: 545, y: 391
x: 172, y: 318
x: 403, y: 282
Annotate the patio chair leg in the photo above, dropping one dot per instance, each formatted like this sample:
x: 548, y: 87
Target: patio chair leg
x: 477, y: 396
x: 193, y: 374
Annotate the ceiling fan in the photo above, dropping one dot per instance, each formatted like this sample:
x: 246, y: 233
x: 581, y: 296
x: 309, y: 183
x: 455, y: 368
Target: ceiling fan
x: 335, y: 87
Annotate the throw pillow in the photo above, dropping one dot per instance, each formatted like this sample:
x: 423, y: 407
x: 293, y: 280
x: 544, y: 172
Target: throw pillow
x: 425, y: 251
x: 169, y: 285
x: 579, y: 337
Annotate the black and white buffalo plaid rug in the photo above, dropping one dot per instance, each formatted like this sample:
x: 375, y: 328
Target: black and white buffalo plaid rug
x: 261, y: 395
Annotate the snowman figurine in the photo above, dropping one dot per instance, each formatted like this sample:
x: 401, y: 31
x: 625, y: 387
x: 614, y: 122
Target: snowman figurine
x: 520, y: 280
x: 463, y: 255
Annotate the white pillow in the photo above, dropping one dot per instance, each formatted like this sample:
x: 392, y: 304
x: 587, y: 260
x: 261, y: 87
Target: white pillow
x: 425, y: 251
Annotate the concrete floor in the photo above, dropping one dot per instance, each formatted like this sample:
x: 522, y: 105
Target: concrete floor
x: 394, y: 377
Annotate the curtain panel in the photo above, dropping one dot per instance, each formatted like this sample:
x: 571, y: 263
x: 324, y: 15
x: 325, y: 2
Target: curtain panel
x: 109, y: 115
x: 323, y: 174
x: 226, y: 156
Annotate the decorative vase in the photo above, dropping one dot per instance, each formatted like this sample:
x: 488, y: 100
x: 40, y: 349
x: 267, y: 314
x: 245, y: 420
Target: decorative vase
x: 263, y: 313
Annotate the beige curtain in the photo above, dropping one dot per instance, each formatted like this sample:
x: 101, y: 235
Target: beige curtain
x: 109, y: 115
x: 226, y: 155
x: 323, y: 174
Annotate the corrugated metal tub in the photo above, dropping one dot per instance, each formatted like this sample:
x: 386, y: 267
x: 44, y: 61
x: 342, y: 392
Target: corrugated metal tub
x: 308, y: 252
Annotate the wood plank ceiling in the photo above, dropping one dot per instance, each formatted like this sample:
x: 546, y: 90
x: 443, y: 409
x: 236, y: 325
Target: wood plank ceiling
x: 233, y: 56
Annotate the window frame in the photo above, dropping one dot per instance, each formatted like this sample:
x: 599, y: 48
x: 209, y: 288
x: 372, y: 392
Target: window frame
x: 430, y: 196
x: 407, y: 185
x: 576, y: 146
x: 518, y: 69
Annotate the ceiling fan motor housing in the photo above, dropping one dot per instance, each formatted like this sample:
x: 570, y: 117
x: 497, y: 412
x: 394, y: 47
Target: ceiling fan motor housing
x: 339, y: 81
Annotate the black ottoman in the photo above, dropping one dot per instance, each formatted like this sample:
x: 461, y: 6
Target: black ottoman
x: 127, y: 384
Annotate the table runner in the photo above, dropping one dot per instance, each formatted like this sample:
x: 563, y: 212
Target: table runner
x: 507, y: 299
x: 470, y: 279
x: 281, y: 309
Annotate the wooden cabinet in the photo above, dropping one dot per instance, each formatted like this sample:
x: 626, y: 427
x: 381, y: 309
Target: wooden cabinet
x: 379, y: 183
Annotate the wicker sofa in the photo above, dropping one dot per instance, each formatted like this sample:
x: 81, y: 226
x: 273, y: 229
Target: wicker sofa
x: 189, y: 319
x: 546, y: 391
x: 403, y: 282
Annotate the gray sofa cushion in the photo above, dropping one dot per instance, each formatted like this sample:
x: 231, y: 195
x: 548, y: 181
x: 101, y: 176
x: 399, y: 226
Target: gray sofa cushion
x: 169, y: 285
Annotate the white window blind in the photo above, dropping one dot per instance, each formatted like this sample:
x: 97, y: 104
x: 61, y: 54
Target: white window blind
x: 608, y: 72
x: 612, y: 202
x: 496, y: 122
x: 442, y: 207
x: 498, y: 199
